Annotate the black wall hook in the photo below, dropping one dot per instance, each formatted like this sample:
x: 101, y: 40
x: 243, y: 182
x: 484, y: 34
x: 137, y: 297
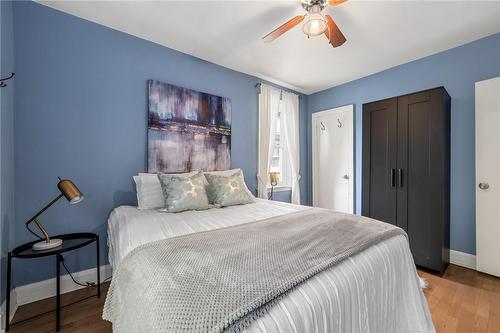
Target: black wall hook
x: 2, y: 81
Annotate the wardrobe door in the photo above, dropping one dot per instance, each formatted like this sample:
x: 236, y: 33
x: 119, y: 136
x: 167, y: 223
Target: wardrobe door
x: 379, y: 160
x: 420, y: 174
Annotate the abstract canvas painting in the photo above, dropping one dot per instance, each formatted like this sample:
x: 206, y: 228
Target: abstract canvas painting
x: 187, y: 129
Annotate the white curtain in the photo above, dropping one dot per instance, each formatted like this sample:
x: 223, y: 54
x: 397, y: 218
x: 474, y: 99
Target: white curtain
x: 290, y: 114
x: 269, y: 103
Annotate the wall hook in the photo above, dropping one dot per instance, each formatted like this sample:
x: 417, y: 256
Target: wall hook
x: 2, y: 81
x: 340, y: 124
x: 323, y: 127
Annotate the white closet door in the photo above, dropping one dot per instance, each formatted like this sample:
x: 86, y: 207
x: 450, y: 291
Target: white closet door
x: 488, y: 176
x: 333, y: 159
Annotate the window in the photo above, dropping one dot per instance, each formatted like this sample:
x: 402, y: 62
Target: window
x: 279, y: 159
x: 278, y: 144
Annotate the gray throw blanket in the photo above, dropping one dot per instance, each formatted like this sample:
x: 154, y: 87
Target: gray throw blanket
x: 223, y: 279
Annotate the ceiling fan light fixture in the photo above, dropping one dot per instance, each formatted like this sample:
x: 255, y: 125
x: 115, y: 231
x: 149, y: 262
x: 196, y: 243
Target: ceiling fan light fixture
x: 315, y: 24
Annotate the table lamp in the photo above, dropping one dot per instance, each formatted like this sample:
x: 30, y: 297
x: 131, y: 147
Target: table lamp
x: 274, y: 178
x: 69, y: 190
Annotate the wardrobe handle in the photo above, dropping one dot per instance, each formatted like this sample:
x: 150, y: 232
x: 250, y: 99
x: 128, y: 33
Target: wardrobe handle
x: 400, y: 177
x: 393, y: 177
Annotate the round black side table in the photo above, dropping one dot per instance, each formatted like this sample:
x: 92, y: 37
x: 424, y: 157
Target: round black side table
x: 70, y: 242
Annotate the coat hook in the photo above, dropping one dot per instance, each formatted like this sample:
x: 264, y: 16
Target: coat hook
x: 2, y: 83
x: 323, y: 127
x: 340, y: 124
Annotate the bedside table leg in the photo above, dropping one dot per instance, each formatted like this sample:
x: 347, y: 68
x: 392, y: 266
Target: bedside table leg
x: 98, y: 268
x: 58, y: 292
x: 7, y: 294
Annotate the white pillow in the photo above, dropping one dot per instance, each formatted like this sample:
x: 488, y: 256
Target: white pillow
x: 225, y: 173
x: 149, y: 193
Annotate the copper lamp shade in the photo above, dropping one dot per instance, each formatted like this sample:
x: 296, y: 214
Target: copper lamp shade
x: 70, y: 191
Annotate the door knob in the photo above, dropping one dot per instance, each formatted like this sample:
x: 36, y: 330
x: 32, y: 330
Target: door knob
x: 484, y: 186
x: 345, y: 177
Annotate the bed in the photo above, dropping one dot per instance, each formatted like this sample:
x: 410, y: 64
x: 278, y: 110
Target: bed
x: 376, y: 290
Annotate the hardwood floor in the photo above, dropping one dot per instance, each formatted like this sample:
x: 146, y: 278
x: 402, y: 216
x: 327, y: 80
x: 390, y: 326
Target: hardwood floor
x: 80, y: 317
x: 462, y: 300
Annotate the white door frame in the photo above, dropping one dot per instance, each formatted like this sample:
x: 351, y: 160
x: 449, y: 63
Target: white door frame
x: 487, y: 118
x: 315, y: 116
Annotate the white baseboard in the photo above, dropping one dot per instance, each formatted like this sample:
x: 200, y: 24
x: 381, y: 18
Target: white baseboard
x: 463, y: 259
x: 47, y: 288
x: 44, y: 289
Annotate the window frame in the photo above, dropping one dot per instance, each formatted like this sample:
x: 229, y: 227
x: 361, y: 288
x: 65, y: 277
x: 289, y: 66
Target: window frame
x: 284, y: 170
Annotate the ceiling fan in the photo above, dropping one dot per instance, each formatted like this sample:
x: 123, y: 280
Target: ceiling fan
x: 316, y: 23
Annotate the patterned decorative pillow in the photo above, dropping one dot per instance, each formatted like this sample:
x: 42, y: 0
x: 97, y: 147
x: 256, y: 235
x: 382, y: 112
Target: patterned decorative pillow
x: 184, y: 193
x: 149, y: 193
x: 225, y: 191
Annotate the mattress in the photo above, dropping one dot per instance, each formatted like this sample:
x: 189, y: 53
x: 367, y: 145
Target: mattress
x: 376, y: 290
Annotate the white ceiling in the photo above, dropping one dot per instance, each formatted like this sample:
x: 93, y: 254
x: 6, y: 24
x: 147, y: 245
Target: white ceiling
x: 379, y: 34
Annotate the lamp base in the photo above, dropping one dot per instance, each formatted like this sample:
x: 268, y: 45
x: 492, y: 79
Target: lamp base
x: 44, y: 245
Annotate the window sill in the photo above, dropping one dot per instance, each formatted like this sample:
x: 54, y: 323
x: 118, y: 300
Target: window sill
x: 282, y: 188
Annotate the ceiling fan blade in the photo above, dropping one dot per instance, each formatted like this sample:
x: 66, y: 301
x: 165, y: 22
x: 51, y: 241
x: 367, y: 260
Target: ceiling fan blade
x: 336, y: 2
x: 283, y: 28
x: 333, y: 33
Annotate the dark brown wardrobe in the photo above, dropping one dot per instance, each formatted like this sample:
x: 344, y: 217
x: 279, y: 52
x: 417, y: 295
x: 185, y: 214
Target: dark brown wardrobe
x: 406, y: 170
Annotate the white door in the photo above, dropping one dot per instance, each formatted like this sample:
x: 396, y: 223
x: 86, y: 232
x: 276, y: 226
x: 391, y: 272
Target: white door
x: 488, y: 176
x: 333, y: 159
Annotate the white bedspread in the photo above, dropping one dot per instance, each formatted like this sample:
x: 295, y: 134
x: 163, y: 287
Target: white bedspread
x: 374, y: 291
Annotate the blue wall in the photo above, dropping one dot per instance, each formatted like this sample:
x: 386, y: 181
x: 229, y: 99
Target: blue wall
x: 6, y: 137
x: 457, y: 70
x: 81, y: 113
